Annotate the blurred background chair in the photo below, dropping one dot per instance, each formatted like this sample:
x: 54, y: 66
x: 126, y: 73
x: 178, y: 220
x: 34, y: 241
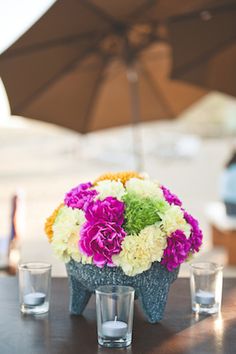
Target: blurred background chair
x: 228, y: 186
x: 222, y: 214
x: 10, y: 244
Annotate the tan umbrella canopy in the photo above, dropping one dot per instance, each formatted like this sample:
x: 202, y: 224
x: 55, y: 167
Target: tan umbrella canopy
x: 205, y: 55
x: 93, y: 64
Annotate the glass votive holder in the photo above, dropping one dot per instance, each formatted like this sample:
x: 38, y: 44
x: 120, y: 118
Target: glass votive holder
x: 34, y: 287
x: 114, y: 305
x: 206, y: 281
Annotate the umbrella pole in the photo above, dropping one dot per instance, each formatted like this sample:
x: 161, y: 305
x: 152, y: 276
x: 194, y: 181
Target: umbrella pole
x: 133, y: 80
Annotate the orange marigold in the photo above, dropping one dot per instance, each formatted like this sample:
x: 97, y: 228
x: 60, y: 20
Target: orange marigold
x: 50, y: 221
x: 119, y: 176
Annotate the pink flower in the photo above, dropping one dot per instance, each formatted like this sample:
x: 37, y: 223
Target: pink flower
x: 170, y: 197
x: 177, y: 250
x: 101, y: 241
x: 110, y: 209
x: 80, y: 196
x: 196, y: 233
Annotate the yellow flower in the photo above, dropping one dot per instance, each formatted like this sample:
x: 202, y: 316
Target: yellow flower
x: 123, y: 177
x: 50, y: 221
x: 139, y: 251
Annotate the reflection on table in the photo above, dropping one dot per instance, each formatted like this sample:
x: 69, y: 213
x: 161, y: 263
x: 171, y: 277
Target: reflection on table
x: 180, y: 332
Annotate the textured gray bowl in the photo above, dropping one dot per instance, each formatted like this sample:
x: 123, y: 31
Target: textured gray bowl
x: 151, y: 287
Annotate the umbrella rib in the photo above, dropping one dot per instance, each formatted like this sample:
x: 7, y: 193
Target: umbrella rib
x: 98, y: 11
x: 94, y: 94
x: 186, y: 67
x: 47, y: 44
x: 157, y: 91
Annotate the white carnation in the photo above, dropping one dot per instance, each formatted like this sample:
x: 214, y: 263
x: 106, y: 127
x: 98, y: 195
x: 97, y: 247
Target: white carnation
x: 145, y: 188
x: 173, y: 220
x: 108, y: 188
x: 156, y: 241
x: 66, y: 231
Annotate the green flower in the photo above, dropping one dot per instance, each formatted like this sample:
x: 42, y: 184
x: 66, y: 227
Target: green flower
x: 141, y: 212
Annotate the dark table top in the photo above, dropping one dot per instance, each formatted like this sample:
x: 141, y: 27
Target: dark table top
x: 60, y: 333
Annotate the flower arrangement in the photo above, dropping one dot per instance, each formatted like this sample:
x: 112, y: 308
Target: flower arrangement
x: 123, y: 220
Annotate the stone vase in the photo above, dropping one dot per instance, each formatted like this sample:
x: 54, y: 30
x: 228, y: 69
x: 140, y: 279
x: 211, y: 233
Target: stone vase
x: 151, y: 287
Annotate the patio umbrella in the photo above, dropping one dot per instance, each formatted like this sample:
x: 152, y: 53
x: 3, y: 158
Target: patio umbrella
x: 88, y: 65
x: 205, y: 54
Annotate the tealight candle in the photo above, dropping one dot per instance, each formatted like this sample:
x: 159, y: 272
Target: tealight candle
x: 34, y: 299
x: 205, y: 297
x: 114, y: 329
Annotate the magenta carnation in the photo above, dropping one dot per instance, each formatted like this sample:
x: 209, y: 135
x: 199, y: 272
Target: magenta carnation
x: 196, y: 233
x: 80, y: 196
x: 101, y: 241
x: 170, y: 197
x: 177, y: 250
x: 110, y: 209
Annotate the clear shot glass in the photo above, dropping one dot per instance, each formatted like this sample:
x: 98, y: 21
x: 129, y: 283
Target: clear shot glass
x: 114, y: 306
x: 206, y: 280
x: 34, y: 287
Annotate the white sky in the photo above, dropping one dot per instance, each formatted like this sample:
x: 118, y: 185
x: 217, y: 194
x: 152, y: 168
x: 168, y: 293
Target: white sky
x: 16, y: 16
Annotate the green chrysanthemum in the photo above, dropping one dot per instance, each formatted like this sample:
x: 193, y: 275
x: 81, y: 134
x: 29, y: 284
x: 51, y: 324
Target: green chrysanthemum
x: 141, y: 212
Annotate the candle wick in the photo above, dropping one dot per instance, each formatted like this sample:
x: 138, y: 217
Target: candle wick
x: 115, y: 318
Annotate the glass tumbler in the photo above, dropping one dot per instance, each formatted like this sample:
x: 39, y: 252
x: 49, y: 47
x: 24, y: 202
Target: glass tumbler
x: 206, y: 281
x: 34, y: 287
x: 114, y: 305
